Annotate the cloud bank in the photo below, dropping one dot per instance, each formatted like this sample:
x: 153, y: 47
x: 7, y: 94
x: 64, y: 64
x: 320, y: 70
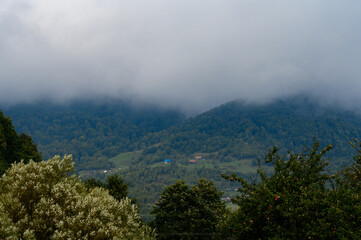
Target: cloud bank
x: 192, y: 54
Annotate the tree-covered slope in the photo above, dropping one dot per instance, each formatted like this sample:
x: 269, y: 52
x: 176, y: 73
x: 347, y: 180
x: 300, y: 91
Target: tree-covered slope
x: 229, y: 138
x: 92, y: 131
x: 236, y: 130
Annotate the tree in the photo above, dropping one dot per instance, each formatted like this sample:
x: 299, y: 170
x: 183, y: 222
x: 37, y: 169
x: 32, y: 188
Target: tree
x: 14, y: 148
x: 188, y: 213
x: 113, y: 183
x: 42, y: 201
x: 28, y: 149
x: 298, y: 200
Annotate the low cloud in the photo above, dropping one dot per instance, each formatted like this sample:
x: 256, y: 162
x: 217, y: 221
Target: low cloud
x: 191, y: 54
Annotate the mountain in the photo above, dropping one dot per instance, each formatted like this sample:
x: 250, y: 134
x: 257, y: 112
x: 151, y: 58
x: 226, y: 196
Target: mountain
x: 229, y: 139
x: 97, y: 131
x: 236, y: 130
x: 134, y: 141
x: 92, y: 131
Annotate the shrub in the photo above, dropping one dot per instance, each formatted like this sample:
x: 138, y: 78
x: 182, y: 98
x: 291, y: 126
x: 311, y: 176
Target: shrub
x: 43, y: 201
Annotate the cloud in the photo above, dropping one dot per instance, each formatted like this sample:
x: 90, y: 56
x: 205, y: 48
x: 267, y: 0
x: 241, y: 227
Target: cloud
x: 192, y: 54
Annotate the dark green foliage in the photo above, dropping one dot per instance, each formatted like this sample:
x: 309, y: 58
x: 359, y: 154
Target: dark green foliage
x: 116, y: 187
x: 299, y: 200
x: 235, y: 130
x: 28, y: 149
x: 91, y: 183
x: 14, y: 148
x: 113, y: 183
x: 95, y: 132
x: 146, y: 183
x: 188, y: 213
x: 92, y: 131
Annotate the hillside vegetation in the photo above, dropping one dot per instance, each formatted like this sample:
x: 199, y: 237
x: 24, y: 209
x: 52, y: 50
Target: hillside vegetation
x: 91, y: 131
x: 236, y: 131
x: 96, y: 132
x: 115, y: 137
x: 294, y: 195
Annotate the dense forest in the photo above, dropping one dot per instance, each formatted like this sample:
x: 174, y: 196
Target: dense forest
x: 237, y: 130
x: 91, y: 131
x: 95, y: 132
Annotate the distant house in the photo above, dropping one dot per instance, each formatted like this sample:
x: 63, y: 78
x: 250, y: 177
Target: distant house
x: 167, y: 161
x: 192, y: 161
x: 227, y: 199
x: 198, y: 157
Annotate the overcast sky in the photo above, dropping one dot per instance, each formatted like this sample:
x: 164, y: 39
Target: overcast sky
x: 193, y: 54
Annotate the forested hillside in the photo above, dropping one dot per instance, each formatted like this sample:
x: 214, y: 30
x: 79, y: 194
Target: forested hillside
x: 95, y: 132
x: 134, y: 141
x: 236, y: 131
x: 92, y: 131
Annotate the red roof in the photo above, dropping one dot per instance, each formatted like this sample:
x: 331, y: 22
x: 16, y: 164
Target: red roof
x: 192, y: 161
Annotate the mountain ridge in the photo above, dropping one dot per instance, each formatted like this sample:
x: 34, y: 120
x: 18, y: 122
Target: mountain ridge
x: 233, y: 128
x: 229, y: 139
x: 92, y: 131
x: 97, y: 131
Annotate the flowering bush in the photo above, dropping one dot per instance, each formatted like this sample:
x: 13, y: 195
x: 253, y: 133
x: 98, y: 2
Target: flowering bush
x: 42, y: 201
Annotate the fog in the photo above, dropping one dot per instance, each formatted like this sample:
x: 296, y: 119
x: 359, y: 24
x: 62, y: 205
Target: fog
x: 189, y: 54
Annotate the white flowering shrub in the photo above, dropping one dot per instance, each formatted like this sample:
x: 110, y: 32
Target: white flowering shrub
x: 40, y: 200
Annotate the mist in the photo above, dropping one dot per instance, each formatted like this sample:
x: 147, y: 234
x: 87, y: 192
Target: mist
x: 188, y: 54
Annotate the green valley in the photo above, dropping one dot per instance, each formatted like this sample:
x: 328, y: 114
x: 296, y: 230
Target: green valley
x: 134, y: 141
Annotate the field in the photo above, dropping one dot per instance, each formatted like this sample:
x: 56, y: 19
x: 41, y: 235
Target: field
x: 147, y: 181
x: 124, y: 160
x: 244, y: 166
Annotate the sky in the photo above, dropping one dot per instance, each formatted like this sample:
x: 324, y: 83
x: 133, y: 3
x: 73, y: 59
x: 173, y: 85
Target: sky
x: 189, y: 54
